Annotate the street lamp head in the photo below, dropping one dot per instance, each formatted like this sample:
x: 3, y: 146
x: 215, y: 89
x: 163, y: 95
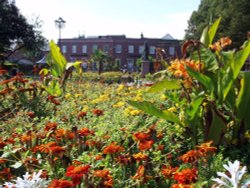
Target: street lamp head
x: 60, y: 22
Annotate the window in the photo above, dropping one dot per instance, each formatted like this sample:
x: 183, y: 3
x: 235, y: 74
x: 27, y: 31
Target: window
x: 141, y: 49
x: 74, y: 49
x: 94, y: 48
x: 84, y: 49
x: 130, y: 64
x: 64, y: 49
x: 171, y: 51
x: 106, y: 48
x: 152, y: 50
x: 118, y: 48
x: 130, y: 49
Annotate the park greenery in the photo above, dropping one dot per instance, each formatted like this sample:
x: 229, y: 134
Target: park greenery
x: 234, y: 24
x: 60, y: 131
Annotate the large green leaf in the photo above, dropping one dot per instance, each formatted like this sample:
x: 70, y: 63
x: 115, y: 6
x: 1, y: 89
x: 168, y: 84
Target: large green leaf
x: 56, y: 60
x: 243, y: 99
x: 165, y: 85
x: 240, y: 58
x: 217, y: 129
x: 202, y: 78
x: 53, y: 88
x: 208, y: 34
x: 226, y: 82
x: 152, y: 110
x: 194, y: 107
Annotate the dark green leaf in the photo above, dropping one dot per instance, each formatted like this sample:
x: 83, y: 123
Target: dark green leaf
x: 194, y: 107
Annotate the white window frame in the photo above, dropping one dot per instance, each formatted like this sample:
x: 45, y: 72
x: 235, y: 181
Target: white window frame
x: 152, y: 50
x: 84, y: 49
x: 131, y: 49
x: 118, y: 48
x: 141, y: 49
x: 74, y: 49
x: 64, y: 49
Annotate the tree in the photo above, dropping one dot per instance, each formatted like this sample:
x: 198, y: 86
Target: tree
x: 16, y: 33
x: 235, y: 19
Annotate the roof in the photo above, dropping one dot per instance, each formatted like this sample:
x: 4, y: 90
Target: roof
x: 168, y: 37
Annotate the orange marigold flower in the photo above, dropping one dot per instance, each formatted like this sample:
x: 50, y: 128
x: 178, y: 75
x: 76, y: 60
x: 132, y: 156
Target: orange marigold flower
x: 26, y: 138
x: 191, y: 156
x: 50, y: 126
x: 108, y: 182
x: 140, y: 157
x: 206, y: 148
x: 98, y: 157
x: 140, y: 173
x: 140, y: 136
x: 31, y: 114
x: 85, y: 132
x: 56, y: 150
x: 112, y: 148
x: 97, y: 112
x: 2, y: 160
x: 60, y: 184
x: 160, y: 147
x: 77, y: 173
x: 5, y: 174
x: 145, y: 145
x: 81, y: 115
x: 101, y: 173
x: 123, y: 159
x: 186, y: 176
x: 5, y: 91
x: 168, y: 171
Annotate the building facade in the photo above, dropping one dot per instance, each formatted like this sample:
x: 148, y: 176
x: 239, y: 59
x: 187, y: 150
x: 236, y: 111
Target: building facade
x: 124, y: 50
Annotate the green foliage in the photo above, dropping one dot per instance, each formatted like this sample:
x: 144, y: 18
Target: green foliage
x: 234, y: 22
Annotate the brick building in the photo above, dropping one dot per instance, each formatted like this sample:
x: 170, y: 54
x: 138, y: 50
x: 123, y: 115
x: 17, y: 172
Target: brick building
x: 124, y: 50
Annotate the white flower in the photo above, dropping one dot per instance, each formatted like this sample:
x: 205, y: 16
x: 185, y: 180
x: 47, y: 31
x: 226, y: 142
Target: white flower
x: 236, y: 174
x: 29, y: 181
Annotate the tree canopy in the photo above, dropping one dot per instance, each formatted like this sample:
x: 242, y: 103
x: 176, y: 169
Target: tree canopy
x: 234, y: 24
x: 15, y: 31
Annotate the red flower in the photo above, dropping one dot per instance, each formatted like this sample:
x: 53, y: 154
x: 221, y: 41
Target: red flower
x: 168, y: 171
x: 81, y: 115
x: 31, y: 114
x: 5, y: 174
x: 186, y: 176
x: 113, y: 148
x: 50, y: 126
x: 191, y: 156
x: 97, y: 112
x: 60, y: 184
x: 77, y: 173
x: 145, y: 145
x: 140, y: 157
x: 182, y: 186
x: 140, y: 173
x: 85, y: 132
x: 101, y: 173
x: 206, y: 148
x: 123, y: 159
x: 141, y: 136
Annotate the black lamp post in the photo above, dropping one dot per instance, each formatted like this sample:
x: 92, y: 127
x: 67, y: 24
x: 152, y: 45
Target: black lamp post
x: 60, y: 23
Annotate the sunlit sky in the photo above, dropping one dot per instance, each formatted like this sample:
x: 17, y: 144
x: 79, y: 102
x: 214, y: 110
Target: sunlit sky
x: 111, y: 17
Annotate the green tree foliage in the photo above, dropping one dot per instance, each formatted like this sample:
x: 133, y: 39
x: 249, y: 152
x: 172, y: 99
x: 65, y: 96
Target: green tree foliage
x: 234, y: 24
x: 15, y: 32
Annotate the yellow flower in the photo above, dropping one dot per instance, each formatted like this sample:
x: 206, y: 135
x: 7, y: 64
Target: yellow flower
x: 67, y: 96
x: 163, y: 97
x: 78, y: 95
x: 119, y: 104
x: 131, y: 111
x: 120, y: 88
x: 172, y: 109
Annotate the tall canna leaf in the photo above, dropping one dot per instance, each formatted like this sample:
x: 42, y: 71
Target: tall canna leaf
x: 208, y: 34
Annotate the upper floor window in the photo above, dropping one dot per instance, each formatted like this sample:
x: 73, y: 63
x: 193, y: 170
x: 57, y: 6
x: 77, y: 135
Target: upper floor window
x: 94, y: 48
x: 118, y: 48
x: 141, y: 49
x: 64, y: 49
x: 84, y: 49
x: 131, y: 49
x: 152, y: 50
x: 74, y: 48
x: 106, y: 48
x: 171, y: 50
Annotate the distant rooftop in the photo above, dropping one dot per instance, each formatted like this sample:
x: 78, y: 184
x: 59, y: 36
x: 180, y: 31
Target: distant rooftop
x: 168, y: 37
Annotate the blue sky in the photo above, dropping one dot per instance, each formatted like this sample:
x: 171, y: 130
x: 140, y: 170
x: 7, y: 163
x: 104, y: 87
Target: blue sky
x: 114, y: 17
